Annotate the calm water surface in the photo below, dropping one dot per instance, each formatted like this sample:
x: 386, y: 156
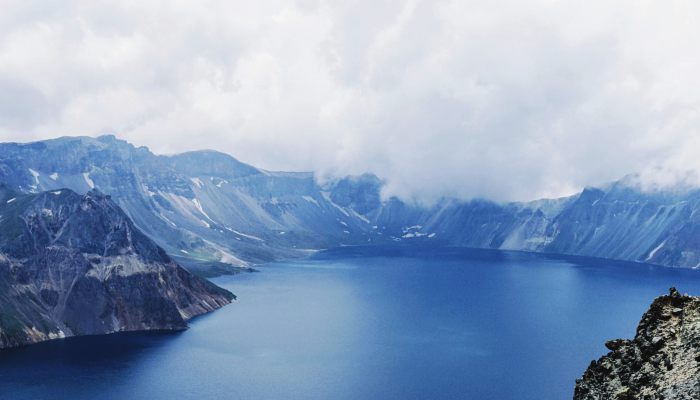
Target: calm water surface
x: 368, y: 323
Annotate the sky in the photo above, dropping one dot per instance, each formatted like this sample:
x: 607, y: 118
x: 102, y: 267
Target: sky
x: 505, y: 100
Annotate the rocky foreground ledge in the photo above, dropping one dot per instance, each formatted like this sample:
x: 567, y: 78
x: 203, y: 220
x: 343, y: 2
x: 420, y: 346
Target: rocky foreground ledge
x: 661, y: 362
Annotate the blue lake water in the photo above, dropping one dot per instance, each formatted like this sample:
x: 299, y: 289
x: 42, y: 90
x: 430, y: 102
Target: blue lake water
x: 368, y: 323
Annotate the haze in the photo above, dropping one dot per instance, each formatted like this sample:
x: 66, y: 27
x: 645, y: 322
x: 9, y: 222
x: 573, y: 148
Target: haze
x: 507, y: 100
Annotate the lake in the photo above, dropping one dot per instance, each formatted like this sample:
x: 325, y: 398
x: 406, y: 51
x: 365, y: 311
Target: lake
x: 368, y: 323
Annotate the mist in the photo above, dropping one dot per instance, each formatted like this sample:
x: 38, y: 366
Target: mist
x: 505, y: 100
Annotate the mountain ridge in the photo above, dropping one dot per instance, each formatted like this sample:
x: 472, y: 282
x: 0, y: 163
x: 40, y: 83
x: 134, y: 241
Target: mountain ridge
x: 206, y: 207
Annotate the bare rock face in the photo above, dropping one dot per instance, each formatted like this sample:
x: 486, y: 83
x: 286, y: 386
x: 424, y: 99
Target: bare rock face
x: 661, y: 362
x: 76, y: 265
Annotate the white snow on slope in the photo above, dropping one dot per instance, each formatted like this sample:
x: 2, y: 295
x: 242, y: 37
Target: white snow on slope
x: 360, y: 216
x: 167, y: 220
x: 11, y: 200
x: 244, y: 234
x: 327, y: 196
x: 197, y: 182
x: 413, y: 234
x: 54, y: 176
x: 147, y: 191
x: 35, y: 187
x: 198, y: 205
x: 90, y: 183
x: 653, y: 252
x: 310, y: 200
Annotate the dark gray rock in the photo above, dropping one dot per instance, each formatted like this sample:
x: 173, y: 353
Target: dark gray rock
x: 661, y: 362
x: 75, y: 264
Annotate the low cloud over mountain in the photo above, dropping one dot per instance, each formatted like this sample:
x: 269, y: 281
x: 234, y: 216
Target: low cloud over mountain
x: 496, y: 99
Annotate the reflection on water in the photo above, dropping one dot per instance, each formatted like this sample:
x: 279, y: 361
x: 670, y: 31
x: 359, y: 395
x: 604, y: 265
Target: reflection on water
x: 368, y: 323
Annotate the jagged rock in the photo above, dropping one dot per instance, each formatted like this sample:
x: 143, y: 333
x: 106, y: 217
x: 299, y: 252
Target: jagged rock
x: 661, y: 362
x: 76, y: 265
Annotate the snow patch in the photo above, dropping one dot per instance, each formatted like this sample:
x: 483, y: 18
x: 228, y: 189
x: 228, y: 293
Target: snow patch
x: 197, y: 182
x: 88, y: 180
x: 360, y: 216
x: 198, y: 205
x: 413, y: 235
x: 147, y: 191
x: 56, y: 192
x: 57, y: 335
x: 327, y: 196
x: 653, y: 252
x: 244, y: 234
x: 11, y: 200
x: 54, y: 176
x: 186, y: 207
x: 310, y: 200
x: 167, y: 220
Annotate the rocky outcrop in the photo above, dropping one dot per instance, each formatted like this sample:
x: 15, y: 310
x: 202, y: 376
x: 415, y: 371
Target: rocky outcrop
x: 661, y: 362
x: 75, y: 264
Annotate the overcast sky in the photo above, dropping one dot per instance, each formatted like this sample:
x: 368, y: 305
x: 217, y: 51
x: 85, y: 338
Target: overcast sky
x: 498, y: 99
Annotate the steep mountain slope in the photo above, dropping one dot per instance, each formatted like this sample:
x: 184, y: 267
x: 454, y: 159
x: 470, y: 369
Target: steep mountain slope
x: 209, y: 210
x: 618, y: 221
x: 76, y: 265
x: 200, y: 206
x: 661, y: 362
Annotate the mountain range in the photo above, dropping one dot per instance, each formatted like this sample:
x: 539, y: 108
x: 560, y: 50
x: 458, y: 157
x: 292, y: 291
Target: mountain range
x: 215, y: 214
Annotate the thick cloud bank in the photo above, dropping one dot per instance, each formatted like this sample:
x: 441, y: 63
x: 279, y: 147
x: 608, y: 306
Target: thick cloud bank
x: 498, y: 99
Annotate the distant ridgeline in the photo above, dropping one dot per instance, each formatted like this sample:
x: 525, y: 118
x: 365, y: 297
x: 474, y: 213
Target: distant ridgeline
x: 211, y: 211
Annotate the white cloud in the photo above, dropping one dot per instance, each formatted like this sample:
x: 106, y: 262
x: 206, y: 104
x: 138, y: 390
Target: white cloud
x: 497, y: 99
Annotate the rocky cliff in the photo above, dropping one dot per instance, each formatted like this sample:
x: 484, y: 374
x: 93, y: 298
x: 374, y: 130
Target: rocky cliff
x: 661, y: 362
x: 75, y: 264
x: 208, y: 209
